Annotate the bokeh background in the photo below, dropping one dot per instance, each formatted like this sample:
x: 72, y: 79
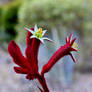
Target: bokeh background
x: 60, y: 18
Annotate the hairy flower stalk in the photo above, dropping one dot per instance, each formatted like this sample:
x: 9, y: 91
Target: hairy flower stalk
x: 28, y: 65
x: 61, y: 52
x: 42, y: 81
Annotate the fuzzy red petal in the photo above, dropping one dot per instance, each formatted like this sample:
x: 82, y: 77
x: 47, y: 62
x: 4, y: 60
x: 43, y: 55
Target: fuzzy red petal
x: 32, y: 46
x: 32, y: 53
x: 35, y: 47
x: 16, y: 54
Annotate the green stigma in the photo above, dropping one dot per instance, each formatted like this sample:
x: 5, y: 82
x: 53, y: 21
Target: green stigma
x: 39, y: 32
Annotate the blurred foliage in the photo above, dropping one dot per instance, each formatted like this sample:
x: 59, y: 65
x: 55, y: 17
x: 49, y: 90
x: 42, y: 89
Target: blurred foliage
x: 1, y: 15
x: 1, y: 32
x: 10, y: 19
x: 88, y: 25
x: 51, y: 13
x: 64, y: 14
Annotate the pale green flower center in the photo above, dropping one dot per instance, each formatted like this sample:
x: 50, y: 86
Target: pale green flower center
x: 39, y: 32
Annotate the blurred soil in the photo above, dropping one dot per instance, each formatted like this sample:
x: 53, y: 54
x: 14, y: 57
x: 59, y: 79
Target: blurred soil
x: 11, y: 82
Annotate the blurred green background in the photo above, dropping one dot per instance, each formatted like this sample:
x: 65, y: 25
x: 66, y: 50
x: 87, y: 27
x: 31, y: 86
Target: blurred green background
x: 60, y: 18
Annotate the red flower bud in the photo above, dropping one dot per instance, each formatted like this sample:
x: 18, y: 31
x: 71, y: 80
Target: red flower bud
x: 61, y: 52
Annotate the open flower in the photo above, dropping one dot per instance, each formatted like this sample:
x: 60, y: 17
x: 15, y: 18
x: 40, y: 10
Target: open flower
x: 38, y: 33
x: 62, y: 51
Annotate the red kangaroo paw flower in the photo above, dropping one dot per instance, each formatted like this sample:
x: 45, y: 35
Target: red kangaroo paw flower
x: 29, y: 65
x: 61, y: 52
x: 16, y: 54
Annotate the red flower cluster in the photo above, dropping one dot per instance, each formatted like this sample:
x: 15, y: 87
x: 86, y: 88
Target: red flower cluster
x: 29, y: 65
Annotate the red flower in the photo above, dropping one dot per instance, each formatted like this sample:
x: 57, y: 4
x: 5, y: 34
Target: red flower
x: 29, y: 65
x: 61, y: 52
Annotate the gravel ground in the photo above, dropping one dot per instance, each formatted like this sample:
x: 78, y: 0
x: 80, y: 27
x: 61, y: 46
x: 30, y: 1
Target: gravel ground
x: 83, y: 83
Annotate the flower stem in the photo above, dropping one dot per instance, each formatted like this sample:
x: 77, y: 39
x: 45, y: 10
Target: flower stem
x: 42, y: 81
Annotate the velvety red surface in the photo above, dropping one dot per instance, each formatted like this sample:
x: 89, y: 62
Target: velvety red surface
x: 29, y: 65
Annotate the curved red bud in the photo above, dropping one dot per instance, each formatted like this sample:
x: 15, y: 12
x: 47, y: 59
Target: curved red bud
x: 16, y: 54
x: 61, y: 52
x: 20, y: 70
